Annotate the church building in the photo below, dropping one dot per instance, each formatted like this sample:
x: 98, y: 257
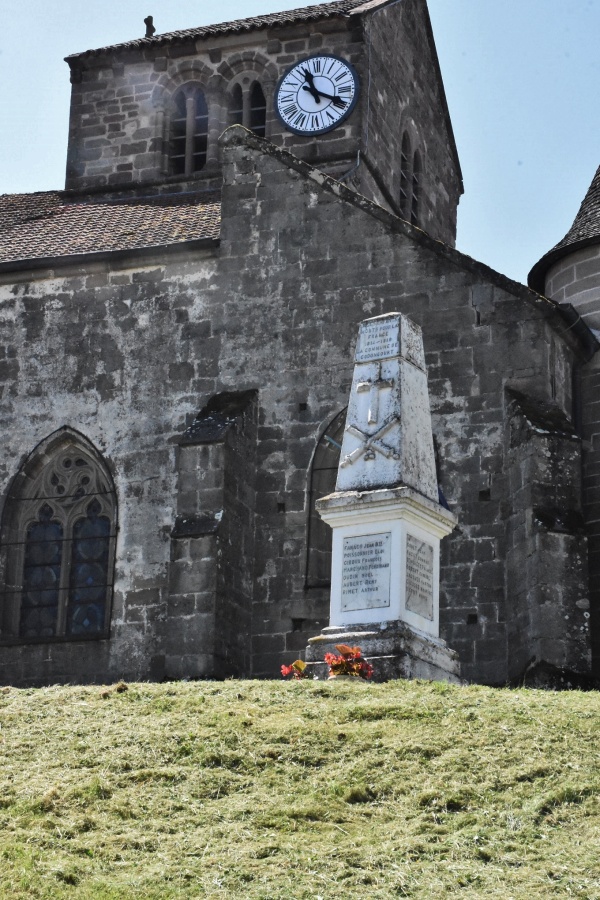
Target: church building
x: 178, y: 328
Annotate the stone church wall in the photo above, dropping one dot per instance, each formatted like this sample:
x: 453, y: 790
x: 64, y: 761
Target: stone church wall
x: 120, y: 355
x: 132, y: 357
x: 480, y: 338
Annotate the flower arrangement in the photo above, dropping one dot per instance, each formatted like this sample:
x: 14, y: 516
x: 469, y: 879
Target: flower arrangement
x: 349, y: 662
x: 297, y: 670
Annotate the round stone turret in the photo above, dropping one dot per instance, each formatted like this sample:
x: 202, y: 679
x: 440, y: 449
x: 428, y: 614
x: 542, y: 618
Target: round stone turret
x: 570, y: 272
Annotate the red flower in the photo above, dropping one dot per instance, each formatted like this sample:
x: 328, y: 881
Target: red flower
x: 349, y: 662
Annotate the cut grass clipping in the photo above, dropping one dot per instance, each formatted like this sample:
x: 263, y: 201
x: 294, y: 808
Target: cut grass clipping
x: 298, y: 790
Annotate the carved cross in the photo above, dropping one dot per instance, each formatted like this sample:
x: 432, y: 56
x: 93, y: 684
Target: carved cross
x: 374, y: 387
x: 371, y: 444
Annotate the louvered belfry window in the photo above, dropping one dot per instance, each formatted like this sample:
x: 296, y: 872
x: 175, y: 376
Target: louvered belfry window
x: 189, y: 131
x: 415, y: 203
x: 258, y: 110
x: 405, y: 177
x: 58, y: 543
x: 236, y: 106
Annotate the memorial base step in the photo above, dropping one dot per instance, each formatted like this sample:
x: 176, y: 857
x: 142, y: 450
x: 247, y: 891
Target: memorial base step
x: 394, y: 649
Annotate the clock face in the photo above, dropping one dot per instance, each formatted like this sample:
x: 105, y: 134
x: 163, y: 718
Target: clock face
x: 316, y: 94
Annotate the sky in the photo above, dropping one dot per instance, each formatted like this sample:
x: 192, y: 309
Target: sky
x: 521, y: 79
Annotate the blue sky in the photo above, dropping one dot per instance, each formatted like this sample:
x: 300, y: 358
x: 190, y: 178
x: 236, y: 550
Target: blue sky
x: 521, y: 79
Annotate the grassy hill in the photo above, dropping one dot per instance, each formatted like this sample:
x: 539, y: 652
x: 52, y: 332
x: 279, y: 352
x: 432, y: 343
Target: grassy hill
x: 269, y: 790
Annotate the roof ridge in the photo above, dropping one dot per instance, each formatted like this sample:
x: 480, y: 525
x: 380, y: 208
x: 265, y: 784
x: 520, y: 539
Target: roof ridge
x: 284, y: 17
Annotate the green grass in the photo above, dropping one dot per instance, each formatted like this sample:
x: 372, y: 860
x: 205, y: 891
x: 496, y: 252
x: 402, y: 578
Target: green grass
x: 269, y: 790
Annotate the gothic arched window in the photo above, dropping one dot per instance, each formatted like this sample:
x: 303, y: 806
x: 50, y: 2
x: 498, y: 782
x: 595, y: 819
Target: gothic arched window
x: 323, y: 475
x: 405, y: 177
x: 258, y: 110
x: 415, y: 203
x: 189, y: 131
x: 58, y: 544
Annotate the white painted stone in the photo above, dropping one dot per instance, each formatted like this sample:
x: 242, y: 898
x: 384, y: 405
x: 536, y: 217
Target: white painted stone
x: 385, y: 560
x: 386, y: 519
x: 388, y: 437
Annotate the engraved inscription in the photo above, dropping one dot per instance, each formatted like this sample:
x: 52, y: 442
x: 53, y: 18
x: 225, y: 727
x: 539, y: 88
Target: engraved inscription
x: 378, y: 340
x: 366, y: 571
x: 419, y: 577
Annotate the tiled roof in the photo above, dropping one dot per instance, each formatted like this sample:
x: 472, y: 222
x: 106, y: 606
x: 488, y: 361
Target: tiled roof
x: 288, y: 17
x: 55, y: 224
x: 584, y: 230
x: 587, y: 220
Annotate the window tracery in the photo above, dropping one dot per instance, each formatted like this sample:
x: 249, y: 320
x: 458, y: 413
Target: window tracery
x: 58, y: 542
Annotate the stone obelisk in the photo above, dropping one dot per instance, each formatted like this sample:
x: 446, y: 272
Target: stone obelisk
x: 386, y: 519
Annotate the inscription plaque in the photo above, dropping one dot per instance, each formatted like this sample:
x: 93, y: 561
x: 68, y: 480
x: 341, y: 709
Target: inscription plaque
x: 419, y: 577
x: 378, y: 340
x: 366, y: 571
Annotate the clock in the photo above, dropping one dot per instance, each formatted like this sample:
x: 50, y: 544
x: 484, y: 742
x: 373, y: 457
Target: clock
x: 316, y: 94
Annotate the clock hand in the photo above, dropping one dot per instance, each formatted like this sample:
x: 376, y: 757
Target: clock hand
x: 310, y: 85
x: 337, y: 101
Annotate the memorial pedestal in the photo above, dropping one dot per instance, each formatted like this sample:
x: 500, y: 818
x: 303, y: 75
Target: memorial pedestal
x: 385, y: 560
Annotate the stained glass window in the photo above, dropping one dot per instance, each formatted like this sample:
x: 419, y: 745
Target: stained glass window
x: 41, y: 576
x: 57, y: 553
x: 89, y: 572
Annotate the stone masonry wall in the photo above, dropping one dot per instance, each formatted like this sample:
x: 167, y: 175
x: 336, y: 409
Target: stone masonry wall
x: 120, y: 354
x: 313, y: 271
x: 575, y: 279
x: 127, y: 355
x: 406, y: 96
x: 119, y: 124
x: 236, y: 547
x: 547, y: 573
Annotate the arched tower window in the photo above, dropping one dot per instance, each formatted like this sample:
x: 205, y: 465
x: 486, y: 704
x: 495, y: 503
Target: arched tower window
x: 258, y: 110
x: 236, y: 106
x: 322, y: 478
x: 58, y: 544
x: 248, y: 106
x: 189, y: 131
x: 405, y: 177
x: 417, y: 175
